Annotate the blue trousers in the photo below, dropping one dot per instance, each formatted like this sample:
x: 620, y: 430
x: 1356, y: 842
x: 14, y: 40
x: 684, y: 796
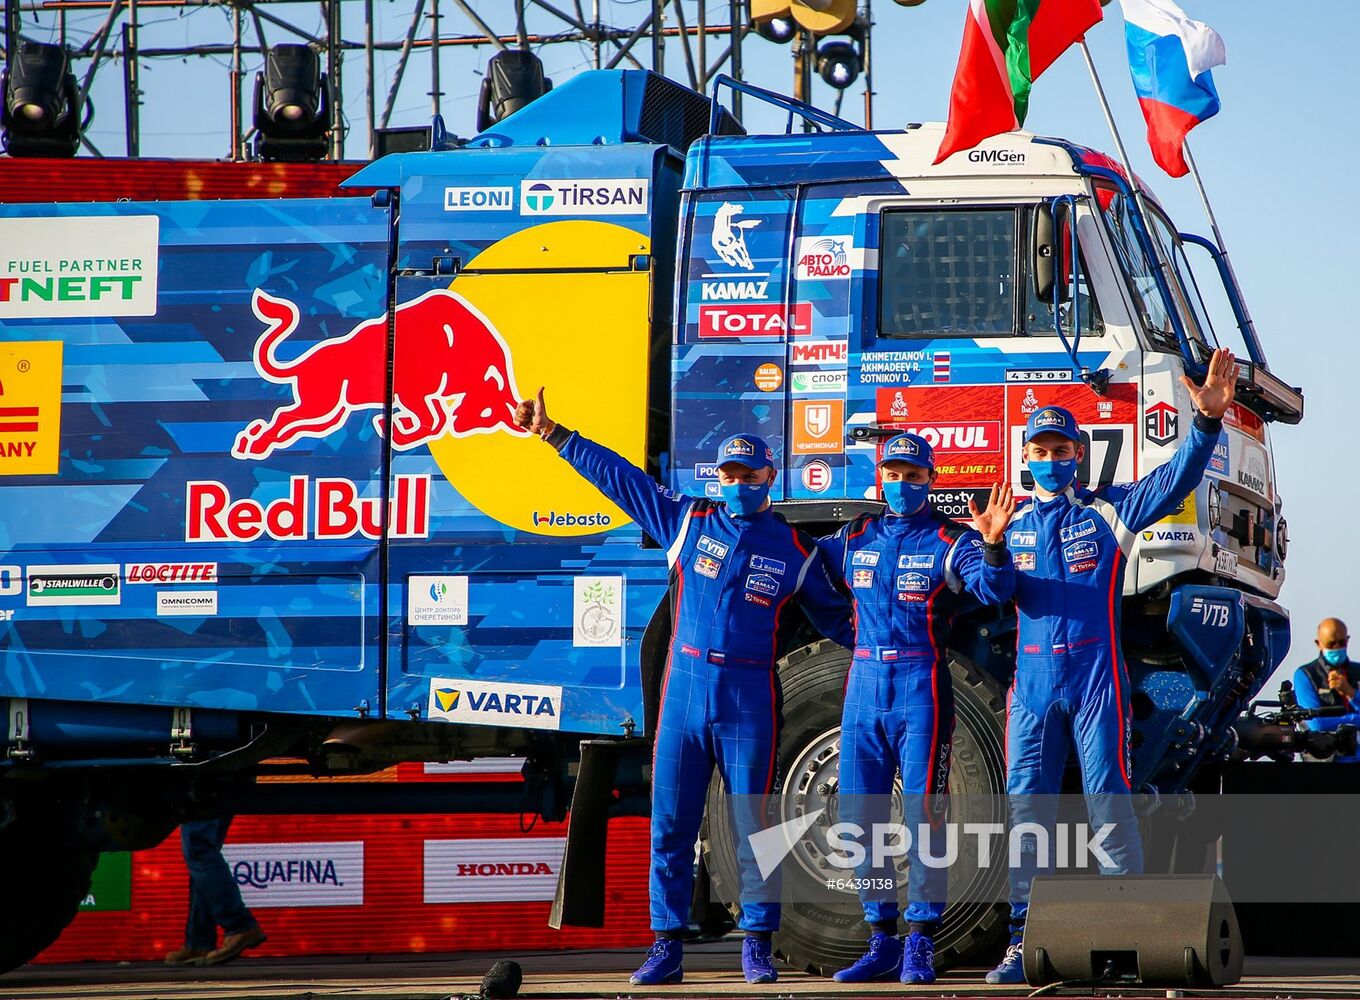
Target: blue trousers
x: 722, y: 716
x: 1054, y: 704
x: 898, y: 716
x: 214, y: 897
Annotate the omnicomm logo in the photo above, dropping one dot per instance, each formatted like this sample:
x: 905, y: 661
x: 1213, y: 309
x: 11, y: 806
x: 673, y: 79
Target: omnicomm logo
x: 520, y: 706
x: 298, y: 874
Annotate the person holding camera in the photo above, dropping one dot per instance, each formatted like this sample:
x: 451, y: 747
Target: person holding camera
x: 1332, y: 679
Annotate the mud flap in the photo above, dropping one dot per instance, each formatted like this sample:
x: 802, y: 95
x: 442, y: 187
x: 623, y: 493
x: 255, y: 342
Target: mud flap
x: 579, y: 901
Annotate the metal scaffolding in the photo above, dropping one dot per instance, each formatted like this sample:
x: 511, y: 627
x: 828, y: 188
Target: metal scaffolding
x: 611, y: 45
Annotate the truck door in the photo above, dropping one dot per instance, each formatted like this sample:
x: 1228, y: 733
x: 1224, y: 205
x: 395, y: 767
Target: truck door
x: 522, y: 601
x: 193, y: 525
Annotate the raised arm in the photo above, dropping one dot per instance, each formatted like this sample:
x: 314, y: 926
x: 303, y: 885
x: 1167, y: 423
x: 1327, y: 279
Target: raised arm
x: 659, y: 512
x: 984, y: 570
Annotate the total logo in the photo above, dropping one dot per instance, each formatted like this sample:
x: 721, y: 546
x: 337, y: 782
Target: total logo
x: 608, y: 196
x: 520, y: 706
x: 766, y: 320
x: 981, y: 435
x: 321, y: 508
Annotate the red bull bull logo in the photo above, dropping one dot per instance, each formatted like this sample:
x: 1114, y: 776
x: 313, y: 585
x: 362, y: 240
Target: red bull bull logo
x: 452, y: 376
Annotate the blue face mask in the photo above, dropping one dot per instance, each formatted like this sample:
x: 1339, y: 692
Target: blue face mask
x: 1334, y: 657
x: 1054, y: 476
x: 745, y: 499
x: 905, y: 498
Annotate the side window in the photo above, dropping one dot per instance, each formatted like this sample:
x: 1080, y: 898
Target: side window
x: 1140, y: 271
x: 1200, y: 328
x: 947, y: 273
x: 1039, y: 312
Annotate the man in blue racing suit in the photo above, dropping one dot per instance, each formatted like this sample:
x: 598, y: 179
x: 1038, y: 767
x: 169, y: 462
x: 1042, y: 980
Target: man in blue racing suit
x: 735, y: 568
x: 907, y: 569
x: 1070, y: 547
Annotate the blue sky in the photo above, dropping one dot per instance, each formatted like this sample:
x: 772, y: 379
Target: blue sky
x: 1273, y: 159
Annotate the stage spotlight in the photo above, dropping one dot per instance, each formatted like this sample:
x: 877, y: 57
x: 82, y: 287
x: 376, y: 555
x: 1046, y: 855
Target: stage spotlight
x: 838, y: 63
x: 779, y: 30
x: 40, y: 117
x: 514, y: 78
x: 292, y: 104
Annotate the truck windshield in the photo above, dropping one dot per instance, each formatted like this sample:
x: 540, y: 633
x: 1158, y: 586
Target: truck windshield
x: 952, y: 273
x: 1142, y: 274
x: 948, y: 273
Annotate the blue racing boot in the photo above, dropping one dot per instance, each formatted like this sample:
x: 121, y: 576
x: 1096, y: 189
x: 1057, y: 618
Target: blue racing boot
x: 757, y: 961
x: 1012, y: 967
x: 881, y: 961
x: 918, y: 959
x: 665, y: 964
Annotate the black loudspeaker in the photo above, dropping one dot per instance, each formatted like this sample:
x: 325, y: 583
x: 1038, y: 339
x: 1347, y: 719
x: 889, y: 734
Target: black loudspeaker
x: 1160, y: 930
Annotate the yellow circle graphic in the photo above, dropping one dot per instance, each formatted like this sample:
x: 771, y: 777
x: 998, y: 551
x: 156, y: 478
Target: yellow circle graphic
x: 575, y: 318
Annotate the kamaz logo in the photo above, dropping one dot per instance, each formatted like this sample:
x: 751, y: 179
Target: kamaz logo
x: 996, y: 156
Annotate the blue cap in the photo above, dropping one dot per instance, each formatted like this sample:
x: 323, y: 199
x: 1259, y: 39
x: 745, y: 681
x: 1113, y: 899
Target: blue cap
x: 910, y: 448
x: 746, y: 449
x: 1052, y: 420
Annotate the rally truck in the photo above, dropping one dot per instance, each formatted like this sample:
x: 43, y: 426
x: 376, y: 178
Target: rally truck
x: 264, y: 508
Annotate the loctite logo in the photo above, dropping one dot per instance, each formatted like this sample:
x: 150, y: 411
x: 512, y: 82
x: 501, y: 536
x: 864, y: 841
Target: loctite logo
x: 983, y: 435
x: 170, y: 572
x: 324, y: 508
x: 766, y: 320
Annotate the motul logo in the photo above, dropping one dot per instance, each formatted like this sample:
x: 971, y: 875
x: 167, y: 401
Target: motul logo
x: 501, y: 868
x: 982, y: 435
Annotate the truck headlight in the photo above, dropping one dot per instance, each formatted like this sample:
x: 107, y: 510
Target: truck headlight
x: 1215, y: 506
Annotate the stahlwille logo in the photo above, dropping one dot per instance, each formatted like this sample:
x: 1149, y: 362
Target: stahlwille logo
x: 73, y: 585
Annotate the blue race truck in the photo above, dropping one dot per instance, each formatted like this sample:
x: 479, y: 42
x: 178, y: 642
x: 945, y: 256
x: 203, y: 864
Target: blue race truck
x: 264, y: 510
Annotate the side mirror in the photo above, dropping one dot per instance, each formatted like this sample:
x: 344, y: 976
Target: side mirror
x: 1047, y: 255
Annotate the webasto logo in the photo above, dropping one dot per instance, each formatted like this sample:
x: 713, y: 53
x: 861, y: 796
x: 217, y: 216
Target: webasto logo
x: 552, y: 519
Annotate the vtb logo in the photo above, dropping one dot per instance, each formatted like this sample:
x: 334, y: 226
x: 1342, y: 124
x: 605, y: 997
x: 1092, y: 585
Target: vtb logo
x: 452, y: 374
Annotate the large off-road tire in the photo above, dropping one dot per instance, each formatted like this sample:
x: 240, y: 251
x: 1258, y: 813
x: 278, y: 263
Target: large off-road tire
x: 44, y: 876
x: 824, y: 931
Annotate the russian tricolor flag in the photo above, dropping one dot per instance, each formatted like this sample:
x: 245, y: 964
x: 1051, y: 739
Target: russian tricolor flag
x: 1170, y: 56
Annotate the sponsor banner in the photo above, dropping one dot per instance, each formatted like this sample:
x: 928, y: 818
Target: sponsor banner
x: 492, y: 870
x: 78, y: 265
x: 79, y: 585
x: 479, y: 199
x: 597, y: 611
x: 817, y: 476
x: 186, y: 602
x: 1162, y: 423
x: 30, y: 406
x: 1245, y: 421
x: 170, y: 573
x: 769, y: 377
x: 818, y: 427
x: 312, y: 508
x: 810, y: 382
x: 437, y: 600
x: 520, y: 706
x: 111, y: 884
x: 826, y: 258
x: 968, y: 453
x: 585, y: 196
x: 1109, y: 429
x: 820, y: 352
x: 298, y: 874
x: 734, y: 290
x: 758, y: 320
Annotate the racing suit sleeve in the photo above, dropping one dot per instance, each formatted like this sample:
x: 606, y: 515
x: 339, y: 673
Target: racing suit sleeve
x: 1308, y: 697
x: 659, y: 512
x: 1160, y: 492
x: 985, y: 570
x: 826, y: 607
x: 832, y: 548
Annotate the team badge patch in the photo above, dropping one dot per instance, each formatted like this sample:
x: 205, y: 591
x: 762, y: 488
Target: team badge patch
x: 1024, y: 561
x: 915, y: 562
x: 707, y: 566
x: 865, y: 557
x: 863, y: 579
x: 712, y: 547
x: 764, y: 564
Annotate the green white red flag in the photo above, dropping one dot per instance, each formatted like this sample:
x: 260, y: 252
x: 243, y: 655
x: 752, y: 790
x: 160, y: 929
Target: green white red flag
x: 1007, y: 44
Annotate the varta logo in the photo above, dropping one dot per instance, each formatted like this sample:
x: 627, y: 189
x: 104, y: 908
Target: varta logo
x: 447, y: 698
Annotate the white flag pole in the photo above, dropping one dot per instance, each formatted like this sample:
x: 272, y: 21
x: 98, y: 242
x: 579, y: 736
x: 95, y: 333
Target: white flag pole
x: 1247, y: 324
